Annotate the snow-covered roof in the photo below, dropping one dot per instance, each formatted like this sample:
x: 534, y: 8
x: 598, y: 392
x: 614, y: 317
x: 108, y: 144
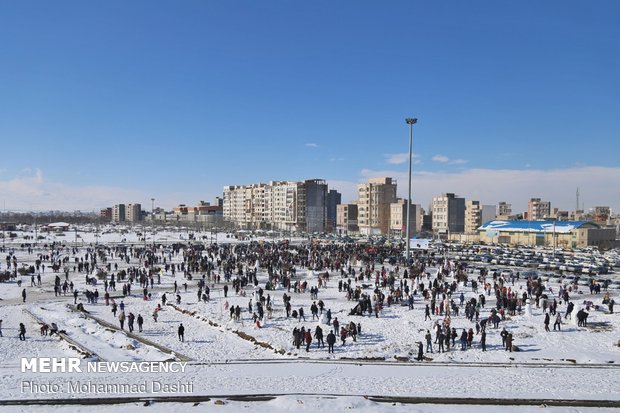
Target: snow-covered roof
x: 59, y: 225
x: 559, y: 227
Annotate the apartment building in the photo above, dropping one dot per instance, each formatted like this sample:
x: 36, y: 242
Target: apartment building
x: 244, y: 205
x: 334, y: 198
x: 133, y: 213
x: 448, y: 214
x: 316, y: 205
x: 601, y: 214
x: 375, y: 198
x: 203, y: 212
x: 105, y: 214
x: 398, y: 219
x: 538, y: 210
x: 477, y: 214
x: 504, y: 209
x: 346, y: 219
x: 118, y: 213
x: 282, y: 205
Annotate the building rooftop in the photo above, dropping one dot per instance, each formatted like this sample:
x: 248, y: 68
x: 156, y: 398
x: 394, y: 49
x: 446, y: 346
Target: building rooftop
x: 561, y: 227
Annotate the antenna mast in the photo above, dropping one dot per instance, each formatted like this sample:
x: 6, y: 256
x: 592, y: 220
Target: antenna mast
x: 577, y: 208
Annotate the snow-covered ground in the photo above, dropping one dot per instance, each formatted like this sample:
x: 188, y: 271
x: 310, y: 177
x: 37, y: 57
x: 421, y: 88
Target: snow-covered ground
x: 306, y: 404
x: 235, y: 357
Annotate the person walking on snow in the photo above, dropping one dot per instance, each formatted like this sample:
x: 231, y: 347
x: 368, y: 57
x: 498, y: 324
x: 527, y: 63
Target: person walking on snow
x: 318, y: 334
x: 22, y: 332
x: 181, y: 332
x: 308, y: 339
x: 429, y: 345
x: 121, y: 319
x: 331, y: 340
x: 420, y: 351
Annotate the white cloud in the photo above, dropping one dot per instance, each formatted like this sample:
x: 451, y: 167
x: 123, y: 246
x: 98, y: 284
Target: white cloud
x: 397, y: 158
x: 596, y: 185
x: 33, y: 191
x: 445, y: 159
x: 312, y: 145
x: 440, y: 158
x: 400, y: 158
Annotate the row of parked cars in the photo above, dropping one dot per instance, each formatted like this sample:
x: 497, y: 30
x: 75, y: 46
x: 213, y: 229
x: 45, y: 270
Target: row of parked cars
x: 575, y: 261
x: 567, y: 267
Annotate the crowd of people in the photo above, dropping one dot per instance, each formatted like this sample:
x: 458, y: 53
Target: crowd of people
x: 371, y: 279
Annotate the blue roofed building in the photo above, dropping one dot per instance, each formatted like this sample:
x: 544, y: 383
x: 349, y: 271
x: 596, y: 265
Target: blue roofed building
x: 566, y: 234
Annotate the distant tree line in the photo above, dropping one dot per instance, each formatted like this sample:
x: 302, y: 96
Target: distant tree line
x: 43, y: 218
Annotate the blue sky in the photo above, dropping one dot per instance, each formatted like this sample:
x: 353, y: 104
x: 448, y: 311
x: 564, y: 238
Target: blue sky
x: 104, y: 101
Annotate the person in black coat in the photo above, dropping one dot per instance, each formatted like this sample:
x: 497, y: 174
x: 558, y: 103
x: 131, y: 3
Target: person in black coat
x: 181, y: 332
x: 331, y: 340
x: 140, y: 322
x: 318, y: 334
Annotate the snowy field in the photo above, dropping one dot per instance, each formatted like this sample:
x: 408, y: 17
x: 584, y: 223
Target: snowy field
x: 235, y: 357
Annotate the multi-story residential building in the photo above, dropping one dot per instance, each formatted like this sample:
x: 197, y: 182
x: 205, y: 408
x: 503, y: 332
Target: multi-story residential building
x: 204, y: 212
x: 205, y: 208
x: 538, y: 210
x: 334, y: 198
x: 473, y: 216
x: 427, y: 221
x: 133, y: 212
x: 118, y: 213
x: 282, y: 205
x: 346, y: 219
x: 373, y: 204
x: 476, y: 215
x: 244, y: 205
x: 448, y: 214
x: 123, y: 213
x: 504, y: 209
x: 601, y: 214
x: 106, y: 214
x: 398, y: 219
x: 316, y: 205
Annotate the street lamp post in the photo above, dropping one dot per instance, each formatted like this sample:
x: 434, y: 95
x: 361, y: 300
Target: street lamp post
x: 410, y: 122
x: 153, y: 219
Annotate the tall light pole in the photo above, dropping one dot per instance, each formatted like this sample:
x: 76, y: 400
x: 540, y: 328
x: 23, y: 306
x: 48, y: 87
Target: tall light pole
x: 153, y: 219
x: 410, y: 122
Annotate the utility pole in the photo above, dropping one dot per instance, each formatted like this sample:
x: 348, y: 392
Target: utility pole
x: 153, y: 219
x: 410, y: 122
x: 3, y: 225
